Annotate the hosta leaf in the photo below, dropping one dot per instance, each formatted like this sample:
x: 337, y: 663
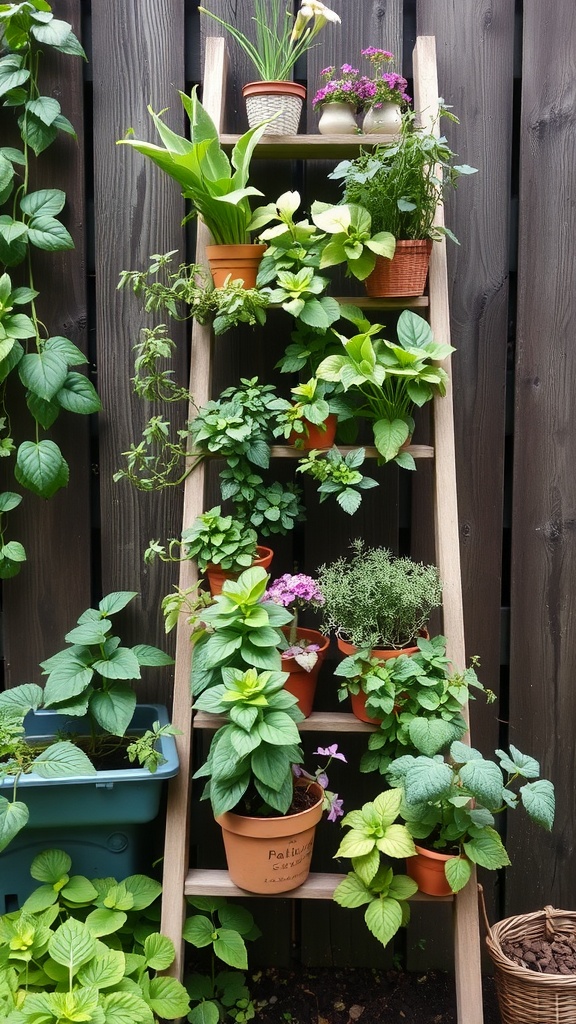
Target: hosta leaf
x: 41, y: 467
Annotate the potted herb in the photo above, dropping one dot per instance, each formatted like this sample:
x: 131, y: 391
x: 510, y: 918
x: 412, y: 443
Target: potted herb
x: 86, y: 950
x: 305, y: 649
x: 88, y: 701
x: 389, y: 379
x: 222, y: 547
x: 398, y: 184
x: 339, y: 476
x: 375, y: 601
x: 268, y: 811
x: 449, y: 808
x: 280, y: 41
x: 374, y: 835
x: 216, y: 186
x: 309, y: 421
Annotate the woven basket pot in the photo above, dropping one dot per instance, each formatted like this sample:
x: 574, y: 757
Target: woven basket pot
x: 268, y: 99
x: 404, y: 274
x: 525, y: 996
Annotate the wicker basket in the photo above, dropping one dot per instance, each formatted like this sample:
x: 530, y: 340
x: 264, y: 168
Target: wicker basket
x: 268, y: 99
x: 524, y: 996
x: 404, y: 274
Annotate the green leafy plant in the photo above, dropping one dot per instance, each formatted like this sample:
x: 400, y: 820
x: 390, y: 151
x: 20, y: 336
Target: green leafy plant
x: 339, y: 476
x: 401, y: 183
x: 313, y: 402
x: 220, y: 540
x: 29, y: 221
x: 371, y: 883
x: 352, y: 240
x: 418, y: 699
x: 216, y: 186
x: 452, y: 804
x: 224, y: 928
x: 82, y: 950
x: 280, y: 39
x: 376, y: 600
x: 390, y: 379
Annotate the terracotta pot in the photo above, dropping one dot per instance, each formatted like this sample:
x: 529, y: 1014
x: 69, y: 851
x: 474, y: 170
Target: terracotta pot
x: 271, y: 855
x: 300, y: 682
x: 404, y: 274
x: 383, y: 120
x: 338, y: 119
x: 358, y: 700
x: 217, y: 577
x: 241, y: 262
x: 316, y: 436
x: 427, y: 870
x: 266, y: 99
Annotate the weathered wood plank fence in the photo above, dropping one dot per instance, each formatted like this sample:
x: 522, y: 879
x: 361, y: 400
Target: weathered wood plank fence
x: 513, y: 324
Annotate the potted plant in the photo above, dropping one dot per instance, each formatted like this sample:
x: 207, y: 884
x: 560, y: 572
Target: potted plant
x: 351, y: 238
x: 216, y: 186
x: 384, y: 96
x: 390, y: 378
x: 268, y: 811
x: 88, y: 702
x: 222, y: 547
x: 339, y: 476
x: 86, y: 950
x: 338, y: 100
x: 400, y: 187
x: 310, y: 420
x: 417, y: 701
x: 305, y: 649
x: 376, y: 602
x: 449, y: 808
x: 371, y: 883
x: 280, y: 41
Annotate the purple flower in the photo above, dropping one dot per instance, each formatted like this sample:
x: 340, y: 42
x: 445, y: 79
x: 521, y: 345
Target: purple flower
x: 336, y: 808
x: 331, y: 752
x: 347, y: 69
x: 298, y: 590
x: 323, y: 780
x: 327, y: 71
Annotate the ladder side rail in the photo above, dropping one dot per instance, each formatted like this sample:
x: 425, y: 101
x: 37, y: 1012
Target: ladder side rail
x: 176, y: 843
x: 467, y: 961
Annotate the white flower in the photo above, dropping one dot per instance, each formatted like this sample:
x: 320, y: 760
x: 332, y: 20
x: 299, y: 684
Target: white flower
x: 312, y: 9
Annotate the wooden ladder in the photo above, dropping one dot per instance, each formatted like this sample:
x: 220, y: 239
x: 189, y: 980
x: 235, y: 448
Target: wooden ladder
x: 178, y: 880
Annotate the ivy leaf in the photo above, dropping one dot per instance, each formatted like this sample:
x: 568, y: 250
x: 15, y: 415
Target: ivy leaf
x: 12, y: 74
x: 45, y: 413
x: 67, y: 349
x: 13, y: 241
x: 41, y: 467
x: 45, y: 108
x: 78, y: 395
x: 58, y: 34
x: 37, y: 134
x: 43, y: 373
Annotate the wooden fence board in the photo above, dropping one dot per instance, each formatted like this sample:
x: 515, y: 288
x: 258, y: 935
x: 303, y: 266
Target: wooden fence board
x: 138, y: 59
x: 54, y: 584
x: 543, y: 631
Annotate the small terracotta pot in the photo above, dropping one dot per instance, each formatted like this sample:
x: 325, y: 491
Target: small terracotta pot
x: 404, y: 274
x: 316, y: 437
x: 271, y: 855
x: 267, y: 99
x: 241, y: 262
x: 217, y: 577
x: 427, y: 870
x: 359, y: 699
x: 300, y: 683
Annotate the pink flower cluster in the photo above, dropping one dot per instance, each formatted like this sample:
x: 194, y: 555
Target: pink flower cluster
x: 297, y: 591
x: 362, y: 91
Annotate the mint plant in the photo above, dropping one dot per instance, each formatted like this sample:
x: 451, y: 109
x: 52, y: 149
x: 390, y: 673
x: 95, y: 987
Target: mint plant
x: 339, y: 476
x: 224, y: 928
x: 86, y: 950
x: 29, y: 220
x: 372, y: 883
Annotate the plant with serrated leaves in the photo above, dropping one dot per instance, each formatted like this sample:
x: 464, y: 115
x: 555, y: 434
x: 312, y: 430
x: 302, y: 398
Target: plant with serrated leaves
x: 85, y: 950
x: 240, y: 629
x: 239, y: 423
x: 374, y: 834
x: 373, y: 599
x: 390, y: 379
x: 18, y: 757
x: 29, y: 220
x: 451, y: 805
x: 275, y: 508
x: 339, y: 476
x: 213, y: 539
x: 312, y: 403
x: 145, y: 749
x: 418, y: 700
x: 224, y: 928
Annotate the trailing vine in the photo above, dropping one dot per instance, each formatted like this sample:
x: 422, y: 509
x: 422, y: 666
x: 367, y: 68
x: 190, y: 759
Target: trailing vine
x: 29, y: 219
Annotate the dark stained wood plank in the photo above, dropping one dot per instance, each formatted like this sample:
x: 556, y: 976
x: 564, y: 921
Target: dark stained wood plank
x: 543, y: 621
x: 54, y: 584
x: 475, y: 68
x: 138, y: 60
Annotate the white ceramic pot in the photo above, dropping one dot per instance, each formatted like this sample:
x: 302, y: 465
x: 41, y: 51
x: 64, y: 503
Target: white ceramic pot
x: 337, y: 119
x: 384, y: 120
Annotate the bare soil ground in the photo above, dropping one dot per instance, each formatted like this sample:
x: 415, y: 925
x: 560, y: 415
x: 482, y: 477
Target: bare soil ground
x: 336, y: 996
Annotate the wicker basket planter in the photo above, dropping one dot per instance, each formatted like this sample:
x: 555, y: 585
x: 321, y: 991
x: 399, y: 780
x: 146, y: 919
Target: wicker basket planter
x: 267, y: 99
x: 525, y: 996
x: 404, y: 274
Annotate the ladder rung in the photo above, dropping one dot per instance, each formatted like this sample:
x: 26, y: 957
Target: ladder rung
x: 318, y: 886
